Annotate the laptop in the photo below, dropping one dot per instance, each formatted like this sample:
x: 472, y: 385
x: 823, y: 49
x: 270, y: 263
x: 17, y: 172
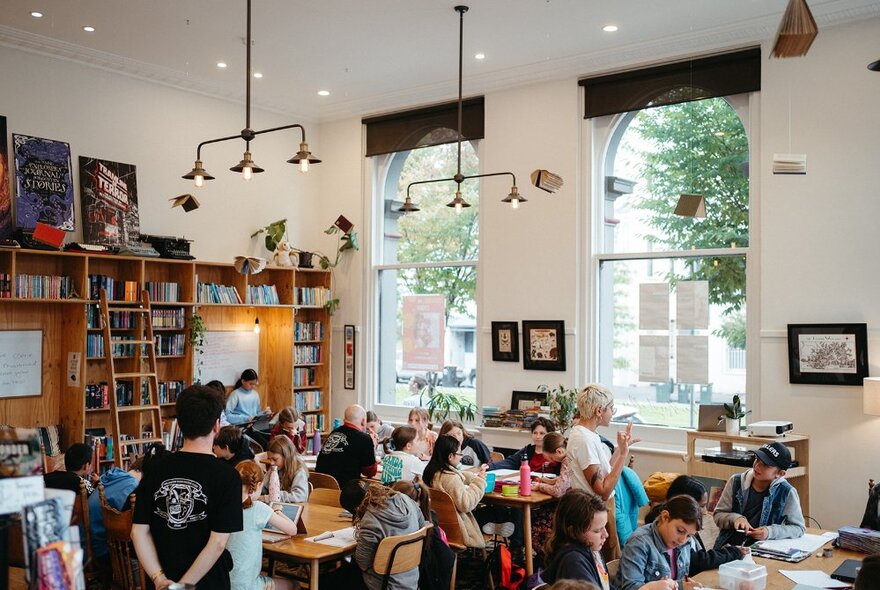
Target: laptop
x: 294, y: 513
x: 708, y: 418
x: 848, y: 570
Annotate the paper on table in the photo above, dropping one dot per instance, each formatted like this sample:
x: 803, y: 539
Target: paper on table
x: 340, y: 538
x: 816, y: 578
x: 503, y: 473
x: 807, y: 543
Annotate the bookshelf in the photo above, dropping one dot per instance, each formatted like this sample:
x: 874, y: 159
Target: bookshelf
x: 73, y: 323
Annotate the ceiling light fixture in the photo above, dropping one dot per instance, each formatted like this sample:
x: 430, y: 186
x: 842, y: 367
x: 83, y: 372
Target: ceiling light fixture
x: 874, y: 66
x: 246, y: 166
x: 480, y: 56
x: 610, y: 28
x: 221, y: 64
x: 458, y: 203
x: 89, y: 29
x: 258, y: 75
x: 36, y: 14
x: 323, y: 93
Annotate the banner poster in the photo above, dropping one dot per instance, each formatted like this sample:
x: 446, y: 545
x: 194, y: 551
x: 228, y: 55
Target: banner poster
x: 5, y: 195
x: 109, y: 202
x: 424, y: 330
x: 43, y: 182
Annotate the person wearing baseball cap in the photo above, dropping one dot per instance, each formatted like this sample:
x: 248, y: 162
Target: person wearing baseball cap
x: 760, y: 504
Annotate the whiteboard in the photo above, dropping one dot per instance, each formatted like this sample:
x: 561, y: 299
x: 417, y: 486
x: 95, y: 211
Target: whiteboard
x: 226, y: 354
x: 21, y: 363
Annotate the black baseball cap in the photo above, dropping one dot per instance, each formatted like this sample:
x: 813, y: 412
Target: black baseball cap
x: 774, y: 454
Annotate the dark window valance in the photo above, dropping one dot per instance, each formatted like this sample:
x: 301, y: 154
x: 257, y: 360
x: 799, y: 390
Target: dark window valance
x: 706, y: 77
x: 424, y: 126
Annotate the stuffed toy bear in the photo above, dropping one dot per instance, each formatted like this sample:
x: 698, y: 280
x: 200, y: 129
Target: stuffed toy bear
x: 283, y: 254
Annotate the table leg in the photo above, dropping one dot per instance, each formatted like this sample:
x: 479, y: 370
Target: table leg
x: 314, y: 570
x: 527, y: 538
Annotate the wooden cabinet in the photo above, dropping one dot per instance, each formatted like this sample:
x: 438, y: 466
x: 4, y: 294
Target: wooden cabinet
x: 56, y: 292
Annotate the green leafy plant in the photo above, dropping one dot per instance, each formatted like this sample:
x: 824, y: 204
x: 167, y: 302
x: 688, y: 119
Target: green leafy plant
x: 275, y: 233
x: 734, y: 411
x: 563, y: 405
x: 442, y: 404
x: 347, y: 241
x: 196, y: 337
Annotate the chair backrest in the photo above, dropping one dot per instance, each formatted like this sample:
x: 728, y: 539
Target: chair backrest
x: 495, y: 456
x: 123, y: 559
x: 322, y: 480
x: 612, y: 567
x: 399, y: 553
x: 447, y: 518
x: 325, y: 497
x: 255, y: 447
x: 81, y: 516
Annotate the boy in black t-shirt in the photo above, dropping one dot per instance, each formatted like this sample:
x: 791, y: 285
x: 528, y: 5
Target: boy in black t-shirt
x: 189, y: 502
x: 349, y: 452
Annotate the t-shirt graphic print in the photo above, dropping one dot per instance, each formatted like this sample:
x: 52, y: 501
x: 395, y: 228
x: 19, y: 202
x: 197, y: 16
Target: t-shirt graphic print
x: 180, y: 501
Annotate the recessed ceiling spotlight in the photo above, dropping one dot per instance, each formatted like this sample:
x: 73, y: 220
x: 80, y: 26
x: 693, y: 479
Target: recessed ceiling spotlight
x: 258, y: 75
x: 610, y: 28
x: 37, y: 14
x: 480, y: 56
x: 221, y: 64
x: 323, y: 93
x: 89, y: 29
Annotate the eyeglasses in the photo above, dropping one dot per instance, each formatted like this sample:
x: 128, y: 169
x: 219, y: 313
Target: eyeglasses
x: 459, y: 454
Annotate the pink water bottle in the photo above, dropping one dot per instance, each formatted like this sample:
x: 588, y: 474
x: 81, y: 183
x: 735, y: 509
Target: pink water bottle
x: 316, y: 442
x: 525, y: 479
x: 274, y: 485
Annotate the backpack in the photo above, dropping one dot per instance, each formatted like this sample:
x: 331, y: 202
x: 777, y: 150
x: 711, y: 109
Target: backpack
x: 503, y: 572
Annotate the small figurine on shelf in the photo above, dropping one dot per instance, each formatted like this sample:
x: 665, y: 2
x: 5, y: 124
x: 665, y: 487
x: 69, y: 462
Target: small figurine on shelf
x: 283, y: 253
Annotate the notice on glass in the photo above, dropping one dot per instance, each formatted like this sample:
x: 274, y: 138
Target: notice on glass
x: 693, y: 359
x: 653, y: 359
x: 692, y: 305
x: 654, y: 306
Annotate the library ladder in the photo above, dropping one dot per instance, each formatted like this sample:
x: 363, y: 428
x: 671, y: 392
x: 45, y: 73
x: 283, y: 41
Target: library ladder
x: 142, y: 325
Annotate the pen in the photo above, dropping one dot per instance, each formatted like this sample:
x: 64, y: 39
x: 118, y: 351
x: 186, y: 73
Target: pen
x: 322, y: 536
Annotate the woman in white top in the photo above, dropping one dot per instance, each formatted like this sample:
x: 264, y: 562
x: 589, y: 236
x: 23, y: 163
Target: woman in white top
x: 593, y: 467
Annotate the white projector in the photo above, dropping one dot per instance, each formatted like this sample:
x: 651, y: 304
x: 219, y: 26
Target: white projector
x: 770, y: 428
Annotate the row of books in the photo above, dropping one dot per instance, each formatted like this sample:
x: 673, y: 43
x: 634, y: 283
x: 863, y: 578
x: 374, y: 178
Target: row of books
x: 306, y: 354
x: 313, y: 422
x: 5, y: 285
x: 307, y: 401
x: 169, y: 318
x: 97, y: 396
x: 163, y: 292
x: 308, y: 331
x: 317, y: 296
x: 513, y: 418
x: 118, y: 319
x: 43, y: 287
x: 856, y: 539
x: 303, y: 376
x: 172, y: 437
x: 167, y: 393
x: 214, y: 293
x: 170, y: 344
x: 116, y: 290
x: 262, y: 295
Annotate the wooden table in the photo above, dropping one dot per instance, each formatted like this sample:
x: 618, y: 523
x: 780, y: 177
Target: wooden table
x: 524, y: 503
x: 318, y: 519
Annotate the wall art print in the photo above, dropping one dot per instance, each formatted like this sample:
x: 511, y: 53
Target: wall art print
x: 43, y: 182
x: 109, y: 202
x: 5, y: 194
x: 829, y: 354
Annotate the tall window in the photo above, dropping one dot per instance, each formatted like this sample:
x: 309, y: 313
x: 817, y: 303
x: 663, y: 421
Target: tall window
x: 672, y: 289
x: 426, y: 279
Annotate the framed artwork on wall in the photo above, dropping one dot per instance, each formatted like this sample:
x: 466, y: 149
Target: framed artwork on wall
x: 348, y: 368
x: 523, y: 400
x: 827, y: 354
x: 505, y: 342
x: 544, y: 345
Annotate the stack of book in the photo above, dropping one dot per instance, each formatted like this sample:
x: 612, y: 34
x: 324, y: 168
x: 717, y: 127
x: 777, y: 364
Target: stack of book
x: 262, y: 295
x: 856, y: 539
x: 214, y: 293
x: 116, y: 290
x: 43, y: 287
x: 168, y: 318
x: 163, y: 292
x: 493, y: 416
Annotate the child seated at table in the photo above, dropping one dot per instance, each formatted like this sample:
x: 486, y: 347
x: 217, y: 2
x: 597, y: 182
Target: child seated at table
x: 473, y: 451
x: 246, y: 546
x: 230, y: 445
x: 760, y: 504
x: 425, y: 437
x: 401, y: 463
x: 868, y: 577
x: 574, y: 545
x: 292, y: 471
x: 553, y: 451
x: 291, y: 425
x: 438, y: 560
x: 381, y: 430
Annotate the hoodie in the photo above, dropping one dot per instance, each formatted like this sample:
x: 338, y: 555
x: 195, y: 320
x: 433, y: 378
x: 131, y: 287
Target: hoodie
x: 399, y: 516
x: 573, y: 562
x: 118, y: 486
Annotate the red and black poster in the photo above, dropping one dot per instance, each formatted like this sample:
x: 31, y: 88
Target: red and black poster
x: 5, y: 196
x: 109, y: 202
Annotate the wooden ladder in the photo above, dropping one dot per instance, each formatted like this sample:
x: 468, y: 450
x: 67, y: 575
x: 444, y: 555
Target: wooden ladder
x: 142, y: 327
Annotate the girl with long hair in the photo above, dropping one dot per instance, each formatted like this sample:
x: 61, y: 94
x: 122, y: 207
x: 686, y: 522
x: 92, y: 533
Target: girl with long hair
x: 435, y: 570
x: 425, y: 437
x: 243, y: 404
x: 401, y: 463
x: 292, y: 471
x: 290, y: 424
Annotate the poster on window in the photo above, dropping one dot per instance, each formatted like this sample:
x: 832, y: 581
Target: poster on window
x: 109, y: 202
x: 424, y: 329
x: 5, y: 194
x: 43, y: 182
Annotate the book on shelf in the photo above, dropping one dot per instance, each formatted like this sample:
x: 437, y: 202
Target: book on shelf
x: 308, y: 331
x: 43, y: 287
x: 160, y: 292
x: 313, y: 422
x: 304, y: 377
x: 170, y: 344
x: 307, y: 401
x: 214, y: 293
x: 311, y: 296
x: 168, y: 318
x: 116, y: 290
x: 306, y: 354
x: 262, y: 295
x: 97, y: 396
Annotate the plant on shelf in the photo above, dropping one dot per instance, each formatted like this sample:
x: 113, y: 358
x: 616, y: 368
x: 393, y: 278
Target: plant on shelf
x: 442, y: 404
x: 197, y: 341
x: 733, y: 415
x: 563, y: 405
x: 275, y: 232
x: 348, y: 241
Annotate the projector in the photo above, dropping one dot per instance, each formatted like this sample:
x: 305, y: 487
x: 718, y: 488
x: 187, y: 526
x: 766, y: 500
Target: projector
x: 771, y: 428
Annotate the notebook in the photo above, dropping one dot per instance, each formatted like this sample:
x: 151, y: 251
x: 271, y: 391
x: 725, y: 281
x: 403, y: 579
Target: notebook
x: 847, y: 571
x: 294, y: 513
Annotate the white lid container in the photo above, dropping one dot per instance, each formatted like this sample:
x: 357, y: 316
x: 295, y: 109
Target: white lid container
x: 742, y: 575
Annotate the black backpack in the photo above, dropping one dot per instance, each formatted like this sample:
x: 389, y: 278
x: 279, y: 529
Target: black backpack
x: 435, y: 570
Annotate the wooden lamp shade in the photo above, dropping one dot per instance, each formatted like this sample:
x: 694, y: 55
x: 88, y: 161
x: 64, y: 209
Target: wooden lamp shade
x: 796, y: 32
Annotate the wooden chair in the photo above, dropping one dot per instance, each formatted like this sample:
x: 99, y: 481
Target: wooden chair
x: 495, y: 456
x: 399, y: 554
x: 322, y: 480
x: 325, y: 497
x: 127, y: 575
x: 447, y: 518
x: 81, y: 518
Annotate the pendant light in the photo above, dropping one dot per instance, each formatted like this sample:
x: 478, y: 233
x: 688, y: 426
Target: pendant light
x: 246, y: 166
x: 458, y: 202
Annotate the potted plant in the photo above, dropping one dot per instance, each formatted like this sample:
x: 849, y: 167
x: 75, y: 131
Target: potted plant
x: 733, y: 415
x: 442, y: 404
x: 563, y: 405
x: 275, y: 233
x: 197, y: 341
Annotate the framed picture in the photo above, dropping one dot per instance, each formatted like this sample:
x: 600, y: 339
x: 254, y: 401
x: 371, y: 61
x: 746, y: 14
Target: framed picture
x: 348, y: 367
x: 544, y: 345
x: 828, y: 354
x: 505, y: 342
x: 523, y: 400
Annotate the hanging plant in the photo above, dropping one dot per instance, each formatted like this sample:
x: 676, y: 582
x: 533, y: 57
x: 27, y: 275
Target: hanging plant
x: 197, y: 341
x: 347, y: 241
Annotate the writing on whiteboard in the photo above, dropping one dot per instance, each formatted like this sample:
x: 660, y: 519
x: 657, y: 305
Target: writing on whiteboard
x: 226, y: 354
x: 21, y: 363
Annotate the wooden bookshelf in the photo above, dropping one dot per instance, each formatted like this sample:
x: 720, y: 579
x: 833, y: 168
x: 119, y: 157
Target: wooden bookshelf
x: 66, y: 328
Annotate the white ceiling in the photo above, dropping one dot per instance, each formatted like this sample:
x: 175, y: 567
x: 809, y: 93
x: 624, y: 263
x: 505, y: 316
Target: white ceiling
x: 378, y: 55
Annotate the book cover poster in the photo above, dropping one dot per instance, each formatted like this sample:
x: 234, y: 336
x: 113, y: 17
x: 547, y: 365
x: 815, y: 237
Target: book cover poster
x: 109, y: 202
x: 43, y: 182
x: 5, y: 195
x: 424, y: 329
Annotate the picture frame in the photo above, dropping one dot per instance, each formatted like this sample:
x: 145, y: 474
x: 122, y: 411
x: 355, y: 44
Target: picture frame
x: 348, y: 364
x: 505, y: 342
x: 827, y: 354
x: 544, y: 345
x: 519, y: 398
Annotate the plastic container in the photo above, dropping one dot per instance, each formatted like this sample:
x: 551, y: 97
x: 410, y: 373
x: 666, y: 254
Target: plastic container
x: 742, y: 575
x: 525, y: 479
x: 490, y: 482
x: 274, y: 485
